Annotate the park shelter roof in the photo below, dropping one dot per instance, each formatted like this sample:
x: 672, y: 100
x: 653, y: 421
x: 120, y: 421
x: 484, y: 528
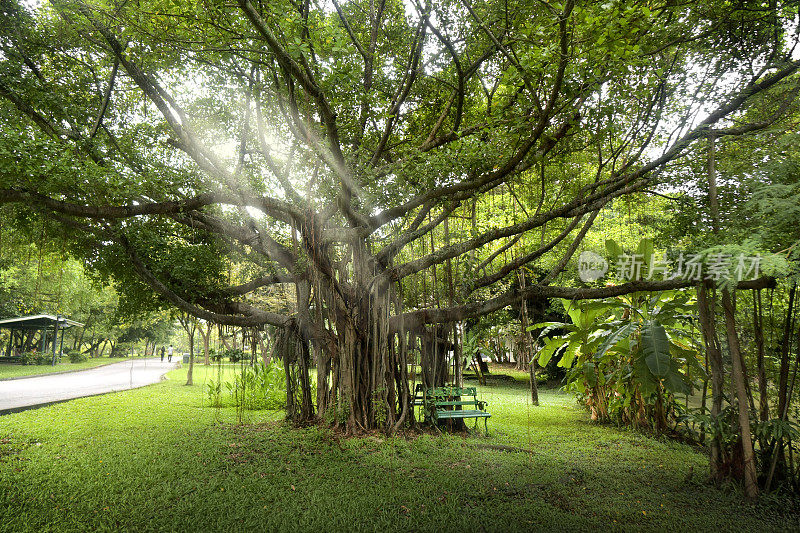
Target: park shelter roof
x: 37, y: 322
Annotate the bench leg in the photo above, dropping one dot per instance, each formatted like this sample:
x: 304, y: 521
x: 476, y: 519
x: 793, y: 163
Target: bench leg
x: 486, y: 425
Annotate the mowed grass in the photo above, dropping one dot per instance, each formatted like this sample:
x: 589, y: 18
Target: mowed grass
x: 160, y: 459
x: 15, y: 370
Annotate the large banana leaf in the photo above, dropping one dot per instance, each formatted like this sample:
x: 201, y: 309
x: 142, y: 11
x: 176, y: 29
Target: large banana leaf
x: 614, y: 338
x: 647, y: 383
x: 584, y: 315
x: 675, y: 382
x: 549, y: 327
x: 570, y: 354
x: 645, y: 252
x: 550, y: 346
x: 655, y: 347
x: 692, y: 359
x: 590, y: 373
x: 614, y: 250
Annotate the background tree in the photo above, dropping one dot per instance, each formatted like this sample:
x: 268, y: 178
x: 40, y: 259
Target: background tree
x: 189, y: 325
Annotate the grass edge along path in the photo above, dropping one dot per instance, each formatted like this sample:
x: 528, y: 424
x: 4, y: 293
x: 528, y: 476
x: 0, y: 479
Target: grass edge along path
x: 160, y: 459
x: 10, y: 371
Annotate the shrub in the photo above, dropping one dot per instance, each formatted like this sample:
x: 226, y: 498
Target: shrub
x: 76, y: 357
x: 235, y: 355
x: 26, y: 358
x: 34, y: 358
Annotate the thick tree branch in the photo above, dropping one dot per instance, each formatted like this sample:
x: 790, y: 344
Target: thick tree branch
x: 414, y: 319
x: 107, y: 211
x: 253, y: 317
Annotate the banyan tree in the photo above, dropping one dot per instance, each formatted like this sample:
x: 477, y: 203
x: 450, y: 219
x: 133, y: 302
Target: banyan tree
x: 220, y: 155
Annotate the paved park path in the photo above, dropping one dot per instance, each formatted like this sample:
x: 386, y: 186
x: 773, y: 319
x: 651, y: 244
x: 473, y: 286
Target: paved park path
x: 20, y: 394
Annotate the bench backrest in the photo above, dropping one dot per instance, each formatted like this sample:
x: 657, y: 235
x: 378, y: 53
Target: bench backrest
x: 451, y: 392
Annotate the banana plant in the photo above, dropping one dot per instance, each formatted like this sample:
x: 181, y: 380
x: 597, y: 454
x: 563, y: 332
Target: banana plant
x: 627, y: 350
x: 579, y: 337
x: 659, y: 341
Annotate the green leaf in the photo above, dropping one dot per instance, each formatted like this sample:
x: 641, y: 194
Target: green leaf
x: 674, y: 383
x: 655, y: 347
x: 590, y: 373
x: 645, y: 252
x: 584, y: 315
x: 613, y: 339
x: 692, y: 358
x: 647, y: 383
x: 549, y: 348
x: 572, y: 310
x: 614, y: 250
x: 591, y: 312
x: 569, y: 354
x: 548, y: 327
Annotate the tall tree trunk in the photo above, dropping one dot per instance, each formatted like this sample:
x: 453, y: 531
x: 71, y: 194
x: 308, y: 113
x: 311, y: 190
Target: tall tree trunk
x: 404, y: 391
x: 205, y: 332
x: 777, y: 447
x: 714, y: 355
x: 783, y: 374
x: 534, y: 385
x: 79, y: 339
x: 526, y: 339
x: 352, y: 340
x: 703, y: 399
x: 738, y: 378
x: 190, y: 374
x: 458, y: 353
x: 294, y: 352
x: 758, y: 333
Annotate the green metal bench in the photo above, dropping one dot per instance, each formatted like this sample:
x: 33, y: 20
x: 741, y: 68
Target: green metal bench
x: 451, y: 403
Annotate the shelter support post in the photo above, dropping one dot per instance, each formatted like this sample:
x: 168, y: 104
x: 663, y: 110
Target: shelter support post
x: 55, y: 338
x: 10, y: 342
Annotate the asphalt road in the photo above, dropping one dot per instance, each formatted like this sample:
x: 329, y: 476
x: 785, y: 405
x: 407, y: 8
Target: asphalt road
x: 19, y: 394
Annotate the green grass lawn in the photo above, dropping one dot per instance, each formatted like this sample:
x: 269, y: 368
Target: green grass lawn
x: 14, y: 370
x: 159, y: 459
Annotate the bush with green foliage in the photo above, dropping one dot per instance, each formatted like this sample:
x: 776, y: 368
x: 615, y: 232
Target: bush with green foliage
x: 75, y: 356
x: 701, y: 426
x: 235, y: 355
x: 34, y: 358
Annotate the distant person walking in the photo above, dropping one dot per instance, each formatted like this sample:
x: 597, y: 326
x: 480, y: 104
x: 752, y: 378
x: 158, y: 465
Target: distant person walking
x: 169, y: 354
x: 162, y: 354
